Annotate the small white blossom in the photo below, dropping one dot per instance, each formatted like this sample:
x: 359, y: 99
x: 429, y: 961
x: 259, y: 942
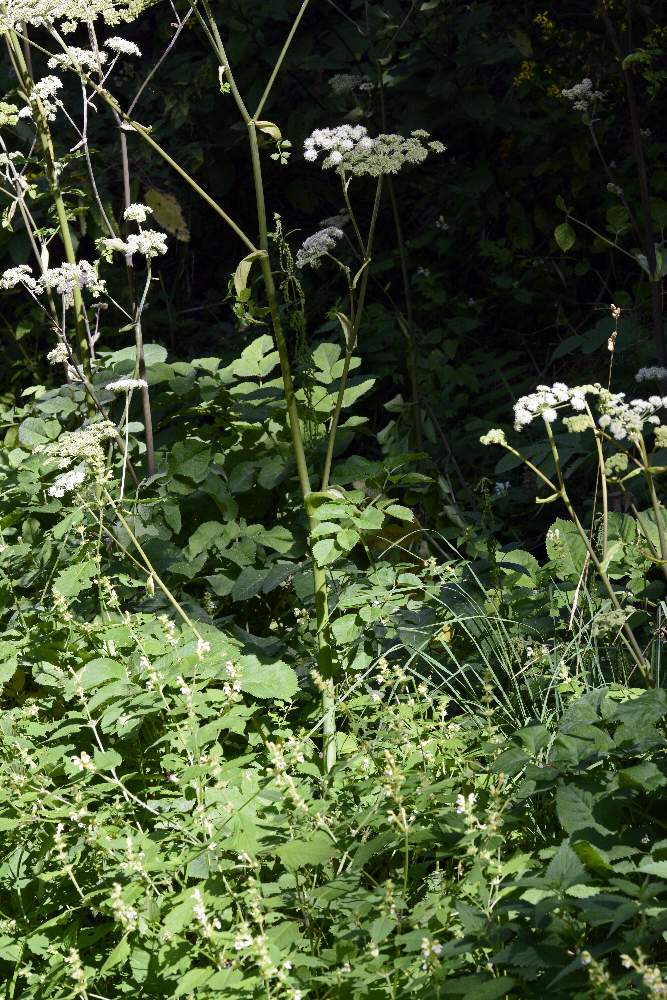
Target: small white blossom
x: 126, y: 385
x: 582, y: 95
x: 67, y: 277
x: 59, y: 354
x: 148, y: 242
x: 76, y: 58
x: 21, y: 275
x: 68, y: 482
x: 137, y: 213
x: 351, y: 149
x: 122, y: 46
x: 494, y: 436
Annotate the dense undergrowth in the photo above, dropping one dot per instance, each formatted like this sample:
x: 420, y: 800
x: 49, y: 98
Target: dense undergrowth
x: 305, y: 693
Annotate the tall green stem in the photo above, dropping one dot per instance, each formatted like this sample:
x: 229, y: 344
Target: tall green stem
x: 352, y: 338
x: 320, y: 590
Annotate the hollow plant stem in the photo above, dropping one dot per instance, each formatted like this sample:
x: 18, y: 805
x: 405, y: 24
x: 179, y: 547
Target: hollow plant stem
x: 320, y: 588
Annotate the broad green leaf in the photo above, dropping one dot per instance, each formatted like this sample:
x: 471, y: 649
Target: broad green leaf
x: 268, y: 680
x: 71, y: 581
x: 106, y: 760
x: 248, y: 584
x: 100, y: 671
x: 325, y: 551
x: 117, y: 956
x: 315, y: 851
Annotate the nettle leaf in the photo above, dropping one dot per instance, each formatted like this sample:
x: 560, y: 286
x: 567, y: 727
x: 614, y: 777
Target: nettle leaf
x: 273, y: 681
x: 316, y: 851
x: 565, y: 868
x: 190, y: 459
x: 100, y: 671
x: 72, y: 581
x: 248, y: 584
x: 8, y: 660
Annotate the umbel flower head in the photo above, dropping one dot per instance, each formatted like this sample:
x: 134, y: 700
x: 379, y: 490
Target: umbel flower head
x: 582, y: 95
x: 317, y: 246
x: 67, y: 14
x: 63, y: 279
x: 350, y: 149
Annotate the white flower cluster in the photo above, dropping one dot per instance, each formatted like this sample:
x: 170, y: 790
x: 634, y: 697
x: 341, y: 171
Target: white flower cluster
x: 68, y: 482
x: 83, y: 445
x: 76, y: 58
x: 317, y: 246
x: 43, y: 94
x: 546, y: 400
x: 67, y: 277
x: 582, y: 95
x: 9, y: 114
x: 626, y: 420
x: 336, y: 143
x: 349, y: 148
x: 59, y: 354
x: 654, y: 374
x: 126, y: 385
x: 63, y: 279
x: 21, y: 275
x: 67, y: 13
x: 137, y: 213
x: 121, y: 46
x: 149, y: 242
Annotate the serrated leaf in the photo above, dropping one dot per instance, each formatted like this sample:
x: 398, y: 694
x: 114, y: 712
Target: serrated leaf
x: 325, y: 551
x: 71, y: 581
x: 315, y: 851
x: 268, y: 680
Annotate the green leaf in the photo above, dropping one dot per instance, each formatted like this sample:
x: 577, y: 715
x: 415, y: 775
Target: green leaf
x: 106, y: 760
x: 268, y: 680
x: 248, y: 584
x: 566, y: 549
x: 100, y: 671
x: 345, y: 629
x: 581, y: 891
x: 565, y: 868
x: 400, y: 512
x: 71, y: 581
x: 117, y: 956
x: 242, y: 272
x: 315, y: 851
x: 168, y: 213
x: 325, y: 551
x: 565, y: 236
